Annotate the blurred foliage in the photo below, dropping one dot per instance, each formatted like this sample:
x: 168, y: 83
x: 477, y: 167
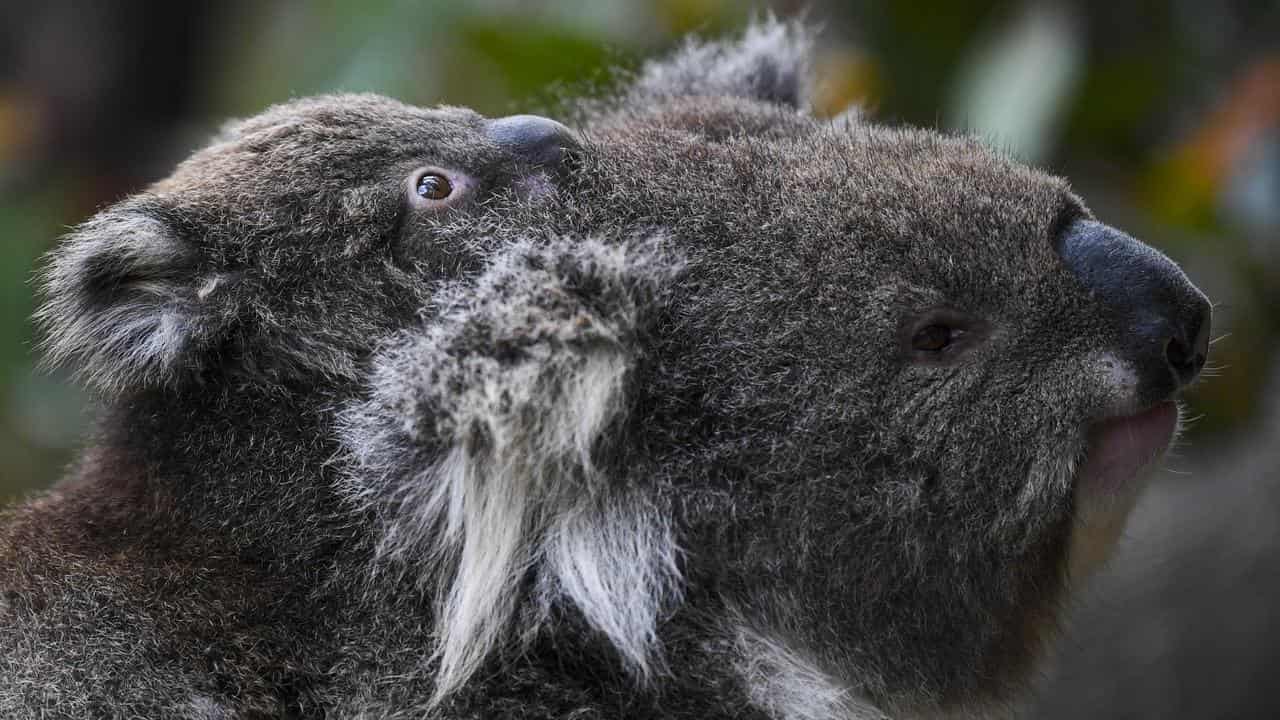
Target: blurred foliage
x: 1166, y: 116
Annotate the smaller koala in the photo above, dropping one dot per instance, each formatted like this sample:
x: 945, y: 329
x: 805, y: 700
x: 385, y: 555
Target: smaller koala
x: 703, y: 408
x: 189, y: 564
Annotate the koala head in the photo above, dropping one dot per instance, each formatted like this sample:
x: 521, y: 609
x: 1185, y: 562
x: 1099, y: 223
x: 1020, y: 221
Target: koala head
x: 854, y: 405
x: 279, y: 250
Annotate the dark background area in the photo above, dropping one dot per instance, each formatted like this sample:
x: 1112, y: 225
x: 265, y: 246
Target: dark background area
x: 1165, y: 116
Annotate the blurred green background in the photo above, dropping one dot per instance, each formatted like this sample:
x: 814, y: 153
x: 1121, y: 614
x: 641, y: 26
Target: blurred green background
x: 1165, y: 116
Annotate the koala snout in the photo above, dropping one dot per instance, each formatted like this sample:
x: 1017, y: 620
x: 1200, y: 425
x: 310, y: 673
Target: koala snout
x: 1162, y: 319
x: 536, y: 140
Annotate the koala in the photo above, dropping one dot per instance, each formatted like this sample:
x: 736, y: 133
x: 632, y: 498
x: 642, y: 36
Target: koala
x: 702, y: 408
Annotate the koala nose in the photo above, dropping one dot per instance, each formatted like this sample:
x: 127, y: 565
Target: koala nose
x: 1163, y: 319
x: 536, y: 140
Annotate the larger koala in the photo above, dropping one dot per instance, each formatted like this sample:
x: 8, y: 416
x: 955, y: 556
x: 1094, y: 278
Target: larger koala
x: 706, y: 408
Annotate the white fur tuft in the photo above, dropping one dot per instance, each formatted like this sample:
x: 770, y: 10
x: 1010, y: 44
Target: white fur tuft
x: 618, y: 565
x: 478, y: 448
x: 788, y: 685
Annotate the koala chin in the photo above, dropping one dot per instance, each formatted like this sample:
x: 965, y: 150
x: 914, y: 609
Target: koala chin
x: 692, y: 406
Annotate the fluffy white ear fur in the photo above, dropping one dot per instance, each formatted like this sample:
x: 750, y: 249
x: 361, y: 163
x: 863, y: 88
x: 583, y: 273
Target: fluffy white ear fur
x: 769, y: 62
x: 122, y: 298
x: 480, y: 444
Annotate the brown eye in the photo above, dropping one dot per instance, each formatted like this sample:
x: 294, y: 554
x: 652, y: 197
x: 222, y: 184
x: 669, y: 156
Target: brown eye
x: 932, y: 338
x: 432, y: 186
x: 434, y: 189
x: 941, y: 336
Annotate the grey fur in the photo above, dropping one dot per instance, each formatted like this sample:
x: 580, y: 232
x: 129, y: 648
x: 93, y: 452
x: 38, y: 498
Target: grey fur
x: 140, y: 338
x: 523, y: 371
x: 770, y: 62
x: 642, y: 443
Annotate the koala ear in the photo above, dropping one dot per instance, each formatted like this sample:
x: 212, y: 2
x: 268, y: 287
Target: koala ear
x: 486, y: 446
x: 125, y: 301
x: 770, y: 62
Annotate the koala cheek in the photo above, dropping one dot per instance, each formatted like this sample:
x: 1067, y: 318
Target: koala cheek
x: 365, y: 211
x: 535, y: 186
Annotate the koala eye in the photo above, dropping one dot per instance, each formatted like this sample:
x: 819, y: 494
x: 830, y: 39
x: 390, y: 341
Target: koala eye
x: 434, y: 187
x: 941, y: 335
x: 933, y: 338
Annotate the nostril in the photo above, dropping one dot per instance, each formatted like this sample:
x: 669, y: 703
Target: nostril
x: 1187, y: 358
x: 1180, y: 355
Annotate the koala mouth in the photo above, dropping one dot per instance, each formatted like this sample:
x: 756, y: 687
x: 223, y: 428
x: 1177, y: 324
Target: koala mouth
x: 1122, y: 447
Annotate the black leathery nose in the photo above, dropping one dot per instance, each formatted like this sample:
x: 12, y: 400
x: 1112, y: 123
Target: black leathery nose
x: 1163, y: 318
x: 535, y: 139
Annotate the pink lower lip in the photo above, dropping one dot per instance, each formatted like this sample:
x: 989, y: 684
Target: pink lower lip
x: 1119, y: 448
